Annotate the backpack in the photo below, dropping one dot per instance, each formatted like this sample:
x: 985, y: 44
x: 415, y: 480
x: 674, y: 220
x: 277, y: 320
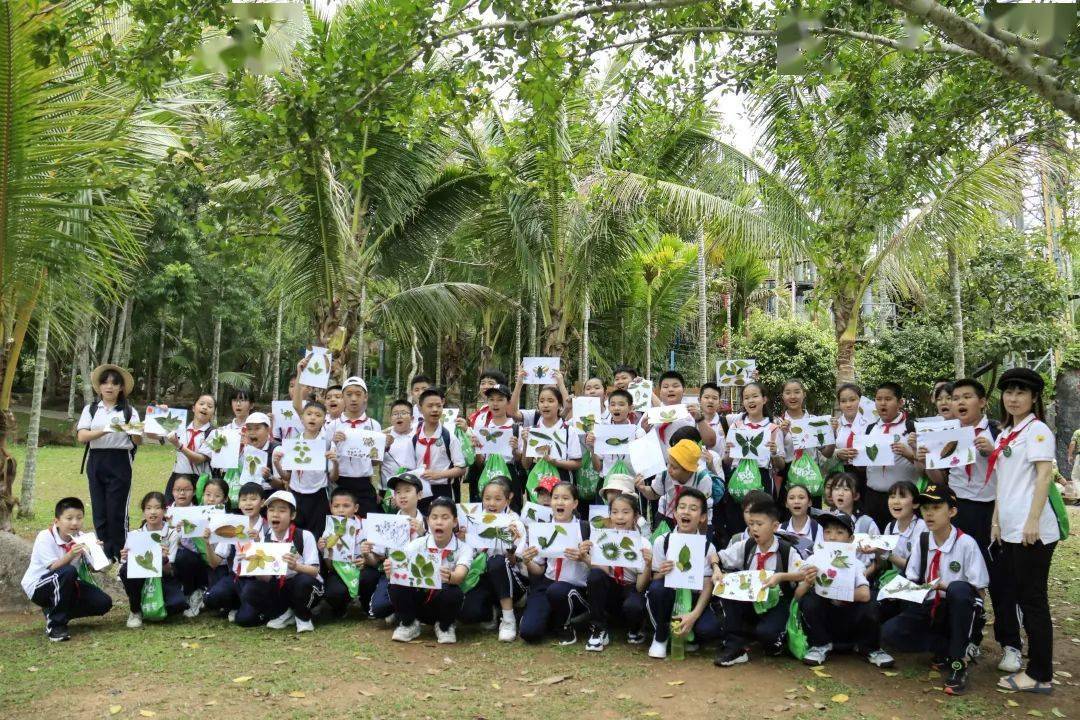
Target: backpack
x: 783, y: 549
x: 127, y: 418
x: 924, y: 552
x: 297, y: 540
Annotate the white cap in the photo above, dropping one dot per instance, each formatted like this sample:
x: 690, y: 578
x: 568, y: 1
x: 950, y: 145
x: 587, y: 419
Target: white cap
x: 354, y: 381
x: 283, y: 495
x: 258, y: 418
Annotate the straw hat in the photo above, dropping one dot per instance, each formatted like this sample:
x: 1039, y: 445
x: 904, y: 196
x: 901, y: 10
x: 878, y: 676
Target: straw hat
x: 95, y: 376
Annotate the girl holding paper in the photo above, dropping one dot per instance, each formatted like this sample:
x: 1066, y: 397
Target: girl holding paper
x: 547, y: 419
x: 153, y: 510
x: 192, y: 451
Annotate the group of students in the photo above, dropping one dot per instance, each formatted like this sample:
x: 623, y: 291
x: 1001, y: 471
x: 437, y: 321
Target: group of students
x: 986, y: 526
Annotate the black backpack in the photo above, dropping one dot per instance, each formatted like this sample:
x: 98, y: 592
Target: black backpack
x: 783, y: 549
x: 445, y: 440
x: 127, y: 418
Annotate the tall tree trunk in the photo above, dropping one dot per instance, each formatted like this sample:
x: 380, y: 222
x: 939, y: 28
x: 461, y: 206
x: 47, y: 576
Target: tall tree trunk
x: 125, y: 346
x: 361, y: 329
x: 160, y: 360
x: 957, y: 309
x: 517, y: 340
x: 71, y: 387
x: 110, y: 333
x: 727, y: 326
x: 648, y: 335
x: 85, y: 368
x: 277, y: 351
x: 586, y: 315
x: 438, y: 359
x: 41, y: 363
x: 846, y: 327
x: 216, y: 359
x: 397, y: 373
x: 703, y: 327
x: 121, y: 326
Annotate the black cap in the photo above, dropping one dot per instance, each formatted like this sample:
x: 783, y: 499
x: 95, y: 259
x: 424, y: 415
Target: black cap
x: 405, y: 478
x: 935, y: 493
x: 1022, y: 376
x: 501, y: 389
x: 834, y: 517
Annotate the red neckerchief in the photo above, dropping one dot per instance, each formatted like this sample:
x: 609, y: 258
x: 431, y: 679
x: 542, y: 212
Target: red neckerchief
x: 661, y: 430
x: 483, y: 409
x: 1003, y: 443
x: 558, y: 568
x: 763, y: 557
x: 289, y: 534
x: 192, y: 434
x: 851, y: 437
x: 887, y: 426
x: 355, y: 422
x: 678, y: 491
x: 798, y: 451
x: 427, y: 443
x: 933, y: 572
x: 968, y: 468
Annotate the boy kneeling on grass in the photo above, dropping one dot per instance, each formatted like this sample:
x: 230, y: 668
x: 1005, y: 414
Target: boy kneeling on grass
x: 58, y: 577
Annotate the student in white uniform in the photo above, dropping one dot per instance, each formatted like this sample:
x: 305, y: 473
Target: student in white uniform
x: 192, y: 451
x: 355, y: 473
x: 1024, y: 521
x: 670, y: 391
x: 889, y: 399
x: 620, y: 410
x: 495, y: 418
x: 565, y: 452
x: 399, y: 453
x: 417, y: 385
x: 951, y: 561
x: 257, y: 431
x: 849, y: 423
x: 438, y: 451
x: 111, y: 443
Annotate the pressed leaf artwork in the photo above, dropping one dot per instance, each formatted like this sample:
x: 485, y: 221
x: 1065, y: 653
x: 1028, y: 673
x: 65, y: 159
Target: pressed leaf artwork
x: 685, y: 561
x: 872, y: 451
x: 685, y: 552
x: 618, y: 548
x: 218, y: 442
x: 146, y: 560
x: 414, y: 570
x: 169, y: 423
x: 545, y: 543
x: 616, y: 442
x: 315, y: 367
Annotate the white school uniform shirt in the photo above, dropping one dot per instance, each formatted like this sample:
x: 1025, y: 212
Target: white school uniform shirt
x: 731, y: 557
x: 310, y: 556
x: 48, y: 548
x: 194, y: 438
x: 442, y: 457
x: 961, y: 559
x: 882, y: 477
x: 846, y: 429
x: 353, y: 467
x: 659, y: 556
x: 562, y: 569
x: 810, y: 530
x: 720, y: 445
x: 607, y: 462
x: 399, y: 455
x: 223, y: 549
x: 741, y: 423
x: 454, y: 554
x: 311, y: 481
x: 531, y: 419
x: 970, y: 482
x: 102, y: 420
x: 907, y: 538
x: 1015, y: 474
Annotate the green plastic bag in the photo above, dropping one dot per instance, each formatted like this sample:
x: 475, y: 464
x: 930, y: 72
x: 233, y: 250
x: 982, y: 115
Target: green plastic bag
x: 476, y: 570
x: 805, y: 472
x: 467, y: 449
x: 796, y: 636
x: 660, y: 530
x: 746, y: 477
x: 770, y: 601
x: 620, y: 468
x: 542, y: 469
x: 886, y: 576
x: 588, y: 478
x: 152, y: 600
x: 1058, y: 504
x: 232, y: 479
x: 494, y: 466
x: 85, y: 575
x: 200, y: 485
x: 350, y: 575
x: 684, y: 603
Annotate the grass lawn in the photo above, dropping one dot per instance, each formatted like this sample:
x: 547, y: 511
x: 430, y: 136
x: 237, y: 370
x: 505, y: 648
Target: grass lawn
x: 209, y: 669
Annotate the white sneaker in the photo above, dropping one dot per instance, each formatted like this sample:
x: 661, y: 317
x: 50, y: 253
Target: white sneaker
x: 195, y: 603
x: 304, y: 626
x: 232, y: 616
x: 507, y: 630
x: 881, y: 659
x: 658, y: 649
x: 134, y: 620
x: 817, y: 655
x: 445, y: 637
x: 598, y: 640
x: 281, y: 621
x: 406, y: 633
x: 1011, y: 661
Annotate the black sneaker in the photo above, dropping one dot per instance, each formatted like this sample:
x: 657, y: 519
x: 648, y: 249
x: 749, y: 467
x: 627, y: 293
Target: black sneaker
x: 726, y: 657
x: 598, y: 639
x: 57, y: 633
x: 567, y: 636
x: 956, y: 683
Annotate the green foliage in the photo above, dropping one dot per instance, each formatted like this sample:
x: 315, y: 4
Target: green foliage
x: 916, y: 355
x: 791, y: 348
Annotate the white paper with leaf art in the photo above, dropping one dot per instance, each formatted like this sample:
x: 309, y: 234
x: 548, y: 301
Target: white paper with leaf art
x: 486, y: 530
x: 876, y: 542
x: 811, y: 432
x: 617, y: 548
x: 494, y: 441
x: 747, y: 443
x: 252, y: 462
x: 586, y: 413
x: 449, y: 418
x: 666, y: 414
x: 646, y: 455
x: 745, y: 586
x: 613, y: 439
x: 358, y: 443
x: 265, y: 559
x: 948, y: 448
x: 687, y: 552
x: 230, y: 528
x: 736, y: 372
x: 641, y: 391
x: 303, y: 454
x: 224, y: 444
x: 837, y: 566
x: 387, y: 531
x: 535, y: 513
x: 553, y: 539
x: 868, y: 409
x: 342, y: 540
x: 190, y: 521
x: 94, y: 553
x: 317, y: 371
x: 875, y: 449
x: 162, y: 420
x: 900, y: 588
x: 598, y: 514
x: 414, y: 569
x: 540, y: 370
x: 285, y: 416
x: 937, y: 422
x: 546, y: 442
x: 144, y: 554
